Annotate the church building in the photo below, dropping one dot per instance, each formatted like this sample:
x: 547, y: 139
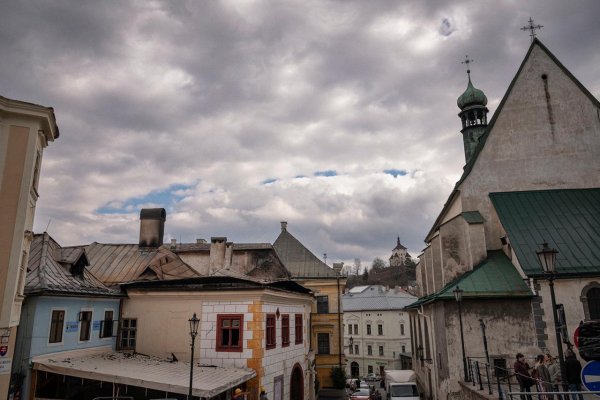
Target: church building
x: 531, y: 184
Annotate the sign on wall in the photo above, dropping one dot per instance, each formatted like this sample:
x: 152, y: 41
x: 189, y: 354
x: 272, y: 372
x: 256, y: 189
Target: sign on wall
x: 72, y: 326
x: 5, y: 364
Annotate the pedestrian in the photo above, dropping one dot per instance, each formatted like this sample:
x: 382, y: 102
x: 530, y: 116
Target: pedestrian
x: 542, y: 376
x: 573, y: 372
x: 554, y: 370
x: 522, y: 372
x: 237, y: 394
x: 263, y: 393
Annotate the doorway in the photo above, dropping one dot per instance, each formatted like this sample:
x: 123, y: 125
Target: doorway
x: 297, y: 383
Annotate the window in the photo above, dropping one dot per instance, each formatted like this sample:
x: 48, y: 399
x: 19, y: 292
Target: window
x: 356, y: 329
x: 380, y: 329
x: 85, y: 317
x: 404, y: 349
x: 128, y: 333
x: 381, y: 351
x: 593, y: 302
x: 285, y: 330
x: 370, y: 369
x: 350, y: 349
x: 106, y: 325
x: 402, y: 329
x: 369, y: 350
x: 368, y: 329
x: 323, y: 343
x: 356, y: 349
x: 298, y: 328
x: 322, y: 304
x: 271, y: 340
x: 230, y: 332
x: 57, y: 323
x: 349, y: 329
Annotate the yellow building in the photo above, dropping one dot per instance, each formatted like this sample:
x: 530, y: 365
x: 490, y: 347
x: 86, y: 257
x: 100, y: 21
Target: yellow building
x: 25, y: 130
x: 327, y: 314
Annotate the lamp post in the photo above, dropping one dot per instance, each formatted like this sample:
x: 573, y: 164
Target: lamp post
x: 458, y: 297
x: 547, y: 258
x: 351, y: 341
x: 194, y: 322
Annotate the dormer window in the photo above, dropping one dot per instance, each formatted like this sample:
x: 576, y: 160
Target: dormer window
x: 78, y: 266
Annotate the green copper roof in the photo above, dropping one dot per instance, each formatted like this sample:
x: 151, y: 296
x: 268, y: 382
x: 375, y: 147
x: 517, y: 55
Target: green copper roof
x: 494, y: 277
x: 471, y: 96
x: 569, y: 220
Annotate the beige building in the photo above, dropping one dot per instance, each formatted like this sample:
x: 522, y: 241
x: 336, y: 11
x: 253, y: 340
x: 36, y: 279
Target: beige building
x: 532, y: 176
x: 25, y: 130
x: 326, y: 314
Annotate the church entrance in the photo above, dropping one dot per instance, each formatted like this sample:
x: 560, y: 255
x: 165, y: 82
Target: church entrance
x: 297, y: 383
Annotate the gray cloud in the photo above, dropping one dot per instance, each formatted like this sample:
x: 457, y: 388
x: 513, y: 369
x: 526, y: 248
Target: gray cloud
x: 222, y: 96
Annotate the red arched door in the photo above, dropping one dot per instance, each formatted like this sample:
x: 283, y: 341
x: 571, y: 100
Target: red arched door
x: 297, y: 383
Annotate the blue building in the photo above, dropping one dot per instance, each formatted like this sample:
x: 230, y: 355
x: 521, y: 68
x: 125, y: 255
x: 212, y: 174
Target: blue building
x: 66, y: 308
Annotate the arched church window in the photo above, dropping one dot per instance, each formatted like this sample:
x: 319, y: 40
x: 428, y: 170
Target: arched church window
x: 593, y: 302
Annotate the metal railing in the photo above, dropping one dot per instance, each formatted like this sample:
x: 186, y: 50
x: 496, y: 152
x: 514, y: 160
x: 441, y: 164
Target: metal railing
x: 504, y: 383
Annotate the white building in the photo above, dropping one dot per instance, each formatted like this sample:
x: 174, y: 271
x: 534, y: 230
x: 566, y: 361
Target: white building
x: 376, y: 330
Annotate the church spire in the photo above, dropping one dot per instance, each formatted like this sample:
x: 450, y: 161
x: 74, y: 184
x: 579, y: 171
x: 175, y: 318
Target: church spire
x: 473, y: 114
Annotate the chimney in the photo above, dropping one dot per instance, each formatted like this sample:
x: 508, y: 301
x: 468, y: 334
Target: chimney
x: 217, y: 253
x: 152, y: 226
x: 337, y: 267
x: 283, y: 226
x: 173, y: 244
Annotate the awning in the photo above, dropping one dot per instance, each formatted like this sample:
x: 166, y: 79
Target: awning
x: 143, y: 371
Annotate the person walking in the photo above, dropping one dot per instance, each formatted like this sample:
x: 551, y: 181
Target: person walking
x: 522, y: 372
x: 554, y: 370
x: 573, y: 372
x: 263, y: 393
x: 542, y: 376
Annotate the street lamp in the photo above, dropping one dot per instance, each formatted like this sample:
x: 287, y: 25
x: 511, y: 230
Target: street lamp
x: 194, y: 322
x: 458, y: 297
x: 547, y: 258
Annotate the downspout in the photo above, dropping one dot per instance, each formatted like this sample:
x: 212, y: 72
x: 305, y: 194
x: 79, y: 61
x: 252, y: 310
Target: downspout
x: 339, y: 323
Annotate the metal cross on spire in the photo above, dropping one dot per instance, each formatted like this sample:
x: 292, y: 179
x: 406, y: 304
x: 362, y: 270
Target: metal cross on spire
x: 467, y: 62
x: 531, y: 28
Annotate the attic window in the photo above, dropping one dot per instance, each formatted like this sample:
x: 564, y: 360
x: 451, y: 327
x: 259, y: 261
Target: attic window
x: 78, y: 267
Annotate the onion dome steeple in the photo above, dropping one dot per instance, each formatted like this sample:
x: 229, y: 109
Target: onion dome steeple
x: 473, y: 114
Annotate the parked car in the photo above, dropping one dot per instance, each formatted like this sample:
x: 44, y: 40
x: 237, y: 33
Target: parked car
x: 331, y: 394
x: 363, y: 385
x: 361, y: 394
x: 371, y: 377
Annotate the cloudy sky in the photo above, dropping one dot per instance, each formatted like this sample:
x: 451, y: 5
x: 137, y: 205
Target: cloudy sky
x: 337, y: 116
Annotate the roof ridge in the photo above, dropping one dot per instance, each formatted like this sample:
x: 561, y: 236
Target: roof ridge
x: 41, y: 270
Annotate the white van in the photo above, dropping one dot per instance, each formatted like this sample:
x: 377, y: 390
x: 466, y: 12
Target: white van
x: 401, y: 385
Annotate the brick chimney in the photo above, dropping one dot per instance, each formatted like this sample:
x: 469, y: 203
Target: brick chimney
x: 152, y: 226
x: 337, y: 267
x: 283, y: 226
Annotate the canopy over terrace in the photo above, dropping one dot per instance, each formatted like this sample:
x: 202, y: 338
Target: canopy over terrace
x: 143, y: 371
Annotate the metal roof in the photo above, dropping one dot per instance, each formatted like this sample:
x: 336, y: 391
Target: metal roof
x: 494, y: 277
x: 143, y: 371
x: 49, y: 271
x: 118, y: 263
x: 376, y: 297
x: 195, y: 247
x: 567, y: 219
x: 473, y: 217
x: 299, y: 260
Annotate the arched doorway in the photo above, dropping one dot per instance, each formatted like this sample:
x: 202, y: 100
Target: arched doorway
x: 354, y: 370
x: 297, y: 383
x: 593, y: 302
